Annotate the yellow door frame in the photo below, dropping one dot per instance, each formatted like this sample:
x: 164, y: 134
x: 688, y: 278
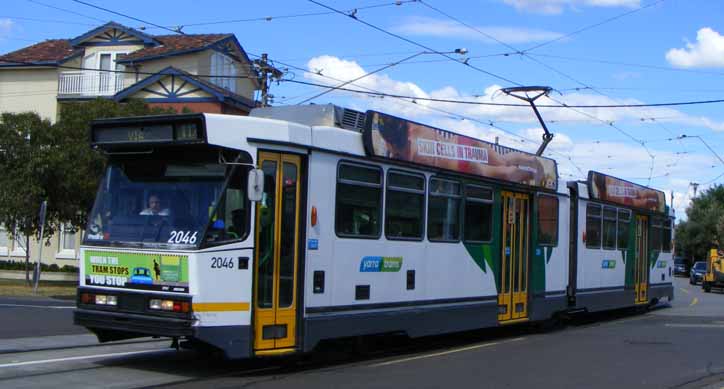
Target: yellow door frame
x: 275, y: 327
x: 641, y: 267
x: 515, y: 267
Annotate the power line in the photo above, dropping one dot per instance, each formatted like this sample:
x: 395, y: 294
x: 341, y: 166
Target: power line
x: 523, y: 53
x: 561, y: 104
x: 292, y: 16
x: 643, y: 66
x: 353, y: 16
x: 570, y: 34
x: 48, y: 21
x: 66, y: 11
x: 411, y: 100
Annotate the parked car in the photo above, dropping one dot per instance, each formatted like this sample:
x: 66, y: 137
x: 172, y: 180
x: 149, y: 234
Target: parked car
x: 697, y: 272
x: 680, y: 269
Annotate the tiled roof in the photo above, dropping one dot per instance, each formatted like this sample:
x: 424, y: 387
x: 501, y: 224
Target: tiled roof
x: 171, y: 44
x: 48, y: 52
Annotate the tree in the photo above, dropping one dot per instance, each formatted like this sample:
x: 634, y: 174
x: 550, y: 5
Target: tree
x: 704, y: 228
x: 24, y: 142
x: 41, y: 161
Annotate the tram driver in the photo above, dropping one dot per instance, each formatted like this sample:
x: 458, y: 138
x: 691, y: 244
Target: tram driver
x: 154, y: 206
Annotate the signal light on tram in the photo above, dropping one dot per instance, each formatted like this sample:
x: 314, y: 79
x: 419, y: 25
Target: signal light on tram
x: 169, y: 305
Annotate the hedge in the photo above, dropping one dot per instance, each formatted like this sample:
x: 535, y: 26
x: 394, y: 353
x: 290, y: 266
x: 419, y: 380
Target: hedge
x: 17, y: 265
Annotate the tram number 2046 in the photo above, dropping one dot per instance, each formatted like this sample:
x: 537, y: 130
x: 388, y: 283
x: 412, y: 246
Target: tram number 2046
x: 222, y: 263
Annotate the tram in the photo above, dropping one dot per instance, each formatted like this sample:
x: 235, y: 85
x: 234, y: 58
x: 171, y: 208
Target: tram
x: 264, y: 235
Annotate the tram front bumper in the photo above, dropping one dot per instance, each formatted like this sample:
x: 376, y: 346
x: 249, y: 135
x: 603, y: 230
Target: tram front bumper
x: 105, y: 323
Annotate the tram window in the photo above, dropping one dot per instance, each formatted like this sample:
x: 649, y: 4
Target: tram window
x: 609, y: 228
x: 593, y: 226
x: 655, y: 234
x: 443, y: 212
x: 230, y: 220
x: 405, y: 206
x: 478, y: 214
x: 666, y: 244
x: 359, y: 200
x: 624, y: 221
x: 547, y: 220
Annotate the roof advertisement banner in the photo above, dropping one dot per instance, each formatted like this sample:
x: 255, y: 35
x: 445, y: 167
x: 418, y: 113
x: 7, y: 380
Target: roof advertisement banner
x: 402, y: 140
x: 616, y: 190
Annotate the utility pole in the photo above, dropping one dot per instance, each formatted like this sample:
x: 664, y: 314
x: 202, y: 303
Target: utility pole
x: 267, y: 72
x: 694, y: 185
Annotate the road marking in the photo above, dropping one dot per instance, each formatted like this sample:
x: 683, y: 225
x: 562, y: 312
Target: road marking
x: 694, y: 325
x: 396, y: 361
x: 38, y: 306
x: 95, y: 356
x: 694, y: 302
x: 685, y: 290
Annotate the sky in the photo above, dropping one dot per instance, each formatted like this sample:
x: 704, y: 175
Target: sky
x: 590, y: 52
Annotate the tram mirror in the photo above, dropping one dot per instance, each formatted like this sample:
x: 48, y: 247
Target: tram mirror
x: 255, y: 184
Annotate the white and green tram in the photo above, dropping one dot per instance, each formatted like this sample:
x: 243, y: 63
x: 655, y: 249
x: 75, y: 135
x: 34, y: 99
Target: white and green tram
x: 264, y: 235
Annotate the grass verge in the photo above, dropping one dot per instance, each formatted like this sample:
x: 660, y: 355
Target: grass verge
x: 17, y: 288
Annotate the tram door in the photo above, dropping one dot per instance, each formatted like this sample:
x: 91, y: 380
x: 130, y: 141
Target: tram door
x: 513, y: 297
x: 277, y: 236
x: 641, y: 267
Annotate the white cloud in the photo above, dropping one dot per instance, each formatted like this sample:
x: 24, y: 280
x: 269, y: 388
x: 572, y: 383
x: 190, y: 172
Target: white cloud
x: 708, y: 51
x: 340, y: 69
x: 424, y: 26
x: 552, y: 7
x: 6, y: 25
x: 622, y: 158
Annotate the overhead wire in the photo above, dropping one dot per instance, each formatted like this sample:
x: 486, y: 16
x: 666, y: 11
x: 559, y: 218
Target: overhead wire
x: 586, y: 28
x: 524, y: 54
x: 292, y: 16
x: 66, y: 10
x: 427, y: 48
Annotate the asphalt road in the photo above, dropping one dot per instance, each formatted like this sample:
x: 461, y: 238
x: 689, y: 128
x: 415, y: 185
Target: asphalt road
x: 30, y: 317
x: 677, y: 345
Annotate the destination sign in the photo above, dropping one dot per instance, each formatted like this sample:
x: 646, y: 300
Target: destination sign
x: 403, y: 140
x: 144, y: 131
x: 616, y: 190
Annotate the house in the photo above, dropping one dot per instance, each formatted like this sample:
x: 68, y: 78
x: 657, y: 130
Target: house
x: 201, y: 72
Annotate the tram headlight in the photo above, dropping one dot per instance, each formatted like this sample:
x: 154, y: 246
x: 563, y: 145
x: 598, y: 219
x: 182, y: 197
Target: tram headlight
x: 102, y: 299
x: 154, y: 304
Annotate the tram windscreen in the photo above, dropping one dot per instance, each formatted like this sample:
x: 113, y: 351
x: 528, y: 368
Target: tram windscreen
x: 155, y: 202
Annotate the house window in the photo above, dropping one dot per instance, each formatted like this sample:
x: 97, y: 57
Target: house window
x: 66, y: 242
x: 4, y: 241
x: 19, y: 243
x: 224, y: 71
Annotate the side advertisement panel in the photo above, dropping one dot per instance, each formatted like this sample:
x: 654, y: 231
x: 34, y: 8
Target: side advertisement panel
x: 616, y: 190
x: 144, y: 271
x: 399, y: 139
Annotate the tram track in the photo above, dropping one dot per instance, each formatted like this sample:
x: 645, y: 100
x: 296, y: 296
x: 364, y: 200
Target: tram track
x: 329, y: 357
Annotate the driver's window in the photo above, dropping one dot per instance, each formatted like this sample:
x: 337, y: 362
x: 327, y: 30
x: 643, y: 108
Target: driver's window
x: 230, y: 221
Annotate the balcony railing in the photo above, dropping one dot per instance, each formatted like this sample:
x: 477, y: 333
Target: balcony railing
x: 89, y: 83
